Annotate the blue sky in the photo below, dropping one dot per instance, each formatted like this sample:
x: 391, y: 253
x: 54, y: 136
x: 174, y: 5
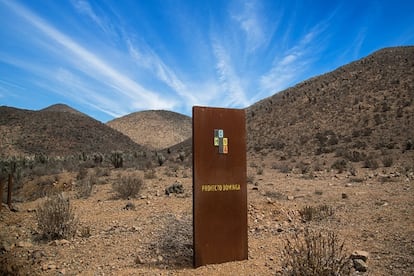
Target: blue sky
x: 110, y: 58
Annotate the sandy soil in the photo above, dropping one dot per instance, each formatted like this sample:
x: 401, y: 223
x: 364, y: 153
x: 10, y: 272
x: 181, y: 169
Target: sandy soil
x: 373, y: 211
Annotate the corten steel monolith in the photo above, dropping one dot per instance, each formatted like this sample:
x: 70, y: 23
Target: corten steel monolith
x: 219, y: 185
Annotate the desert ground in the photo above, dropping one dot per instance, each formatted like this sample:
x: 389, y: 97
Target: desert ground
x: 369, y: 210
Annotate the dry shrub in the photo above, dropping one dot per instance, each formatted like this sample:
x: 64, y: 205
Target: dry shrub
x: 128, y: 186
x: 315, y: 253
x: 309, y: 213
x: 150, y: 174
x: 174, y: 241
x: 85, y: 186
x: 56, y: 218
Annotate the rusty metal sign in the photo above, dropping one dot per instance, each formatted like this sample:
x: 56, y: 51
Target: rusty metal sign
x: 219, y: 185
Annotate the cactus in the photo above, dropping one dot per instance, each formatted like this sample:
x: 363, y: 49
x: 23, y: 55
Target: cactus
x: 161, y: 159
x: 117, y: 159
x: 9, y: 168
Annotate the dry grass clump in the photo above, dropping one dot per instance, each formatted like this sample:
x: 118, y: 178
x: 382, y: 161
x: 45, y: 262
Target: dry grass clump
x: 56, y: 218
x: 315, y: 253
x: 309, y: 213
x: 128, y: 186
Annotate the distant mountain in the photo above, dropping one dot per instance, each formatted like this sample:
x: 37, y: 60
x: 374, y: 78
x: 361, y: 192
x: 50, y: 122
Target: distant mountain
x: 57, y: 130
x: 156, y: 129
x: 62, y: 108
x: 359, y: 112
x: 362, y: 109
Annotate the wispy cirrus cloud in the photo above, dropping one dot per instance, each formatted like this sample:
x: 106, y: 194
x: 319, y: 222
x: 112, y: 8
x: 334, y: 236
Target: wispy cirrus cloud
x: 288, y: 66
x: 84, y: 7
x: 250, y: 23
x: 233, y: 91
x: 149, y: 60
x: 95, y: 67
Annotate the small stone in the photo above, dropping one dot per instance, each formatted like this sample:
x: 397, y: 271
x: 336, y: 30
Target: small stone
x: 360, y: 254
x: 14, y: 208
x: 24, y: 244
x: 138, y: 260
x: 160, y: 258
x: 344, y: 196
x: 290, y: 197
x: 5, y: 246
x: 63, y: 242
x: 360, y: 265
x: 269, y: 200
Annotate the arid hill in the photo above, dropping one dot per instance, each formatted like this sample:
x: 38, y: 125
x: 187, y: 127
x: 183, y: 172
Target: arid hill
x: 57, y: 130
x: 156, y: 129
x: 63, y: 108
x: 361, y: 109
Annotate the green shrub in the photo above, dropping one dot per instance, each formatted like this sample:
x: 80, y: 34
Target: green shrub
x: 128, y: 186
x: 315, y: 253
x: 56, y: 218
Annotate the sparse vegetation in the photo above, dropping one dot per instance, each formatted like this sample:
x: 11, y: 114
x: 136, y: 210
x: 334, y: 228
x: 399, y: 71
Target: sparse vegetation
x: 340, y: 165
x: 371, y: 163
x: 85, y: 186
x: 161, y: 159
x: 315, y: 253
x: 56, y: 218
x: 311, y: 213
x: 388, y: 161
x: 128, y: 186
x: 150, y: 174
x: 117, y: 159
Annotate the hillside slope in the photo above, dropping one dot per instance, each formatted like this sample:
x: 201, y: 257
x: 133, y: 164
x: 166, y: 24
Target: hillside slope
x: 156, y: 129
x: 359, y: 109
x: 57, y: 133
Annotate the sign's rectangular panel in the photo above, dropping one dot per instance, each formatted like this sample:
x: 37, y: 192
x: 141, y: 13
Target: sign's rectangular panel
x: 219, y: 185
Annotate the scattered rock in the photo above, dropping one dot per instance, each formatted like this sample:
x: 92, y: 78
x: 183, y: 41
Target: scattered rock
x: 359, y: 259
x: 138, y: 260
x: 129, y: 206
x: 14, y: 209
x: 176, y: 188
x: 360, y: 254
x: 360, y: 265
x: 59, y: 242
x: 290, y: 197
x: 5, y: 246
x: 24, y: 244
